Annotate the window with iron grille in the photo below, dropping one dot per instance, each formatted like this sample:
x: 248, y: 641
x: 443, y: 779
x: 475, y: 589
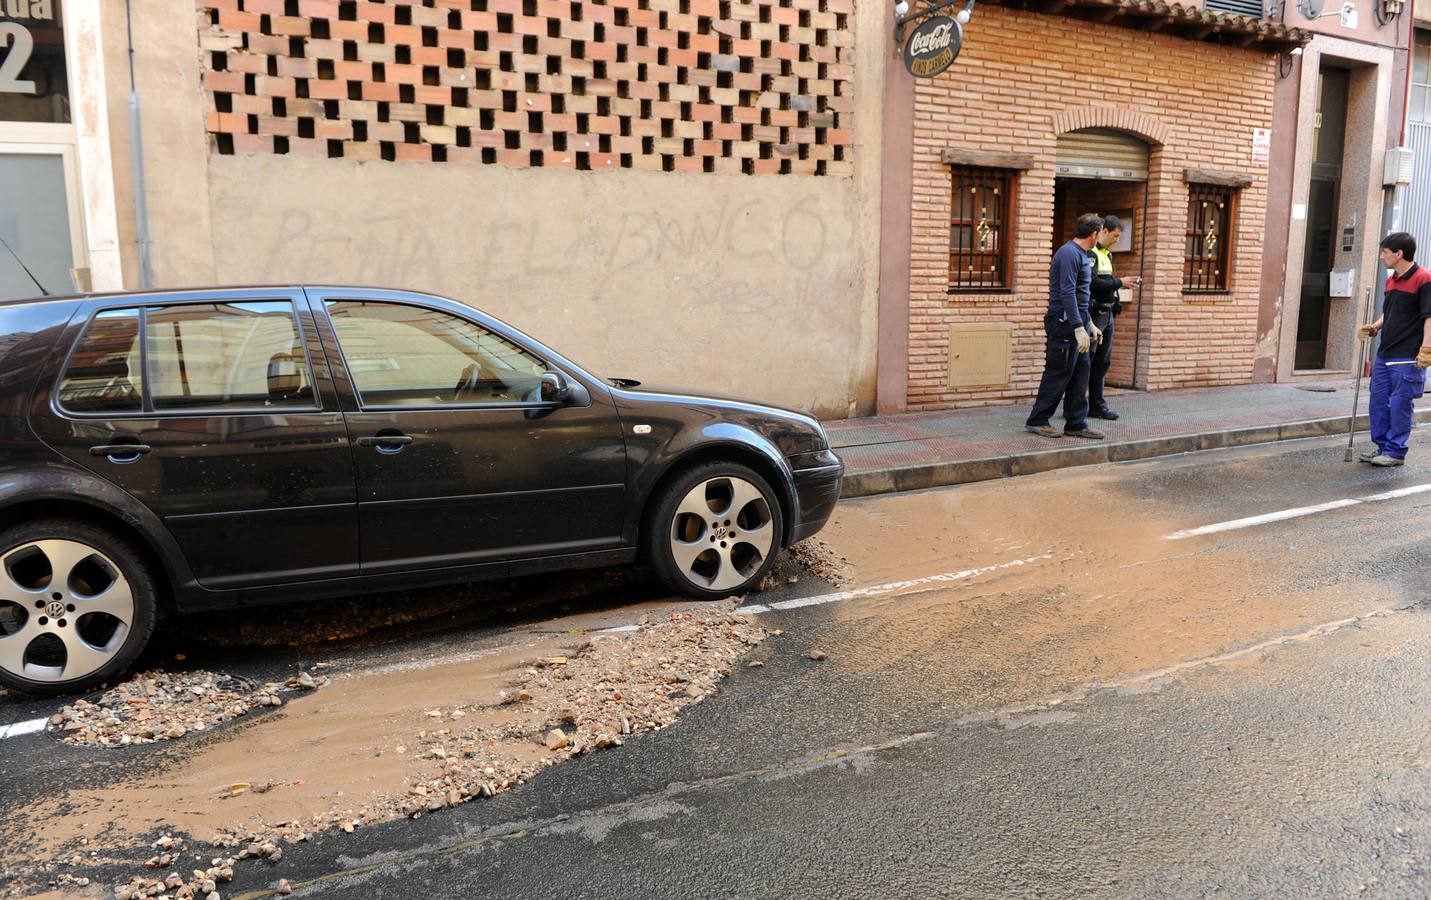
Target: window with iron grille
x: 981, y: 227
x: 1207, y: 253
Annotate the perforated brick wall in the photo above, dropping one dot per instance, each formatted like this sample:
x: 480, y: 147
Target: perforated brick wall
x: 731, y: 86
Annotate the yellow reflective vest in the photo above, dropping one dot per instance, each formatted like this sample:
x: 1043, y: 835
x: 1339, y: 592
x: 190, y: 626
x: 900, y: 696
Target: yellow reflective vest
x: 1102, y: 259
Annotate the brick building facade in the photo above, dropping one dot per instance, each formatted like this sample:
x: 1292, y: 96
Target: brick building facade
x: 1027, y: 91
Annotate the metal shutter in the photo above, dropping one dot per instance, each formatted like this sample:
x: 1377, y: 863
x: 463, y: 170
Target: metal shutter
x: 1100, y: 153
x: 1250, y: 8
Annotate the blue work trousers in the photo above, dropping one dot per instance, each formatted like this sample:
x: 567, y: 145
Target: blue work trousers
x: 1395, y: 385
x: 1065, y: 378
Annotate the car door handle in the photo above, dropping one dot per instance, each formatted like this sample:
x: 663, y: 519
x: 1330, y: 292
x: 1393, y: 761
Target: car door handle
x: 120, y: 453
x: 386, y: 443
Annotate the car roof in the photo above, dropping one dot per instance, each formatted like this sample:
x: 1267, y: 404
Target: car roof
x: 211, y: 291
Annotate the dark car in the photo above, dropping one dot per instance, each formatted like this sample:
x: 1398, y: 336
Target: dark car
x: 197, y: 450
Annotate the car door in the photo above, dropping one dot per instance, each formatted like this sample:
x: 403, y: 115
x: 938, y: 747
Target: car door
x: 216, y: 410
x: 459, y: 460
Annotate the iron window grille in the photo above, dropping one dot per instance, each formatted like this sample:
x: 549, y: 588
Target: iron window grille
x: 1207, y: 254
x: 981, y: 222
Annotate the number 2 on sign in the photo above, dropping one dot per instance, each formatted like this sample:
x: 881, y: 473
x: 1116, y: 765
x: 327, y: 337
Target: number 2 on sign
x: 21, y: 46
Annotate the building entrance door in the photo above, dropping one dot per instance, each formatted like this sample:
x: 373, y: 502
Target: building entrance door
x: 1106, y: 172
x: 1319, y: 253
x: 1125, y: 199
x: 41, y: 217
x: 38, y: 222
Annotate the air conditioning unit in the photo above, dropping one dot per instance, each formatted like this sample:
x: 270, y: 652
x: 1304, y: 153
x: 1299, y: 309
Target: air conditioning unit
x: 1400, y: 164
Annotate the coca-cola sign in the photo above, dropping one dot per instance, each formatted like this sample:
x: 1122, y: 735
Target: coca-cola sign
x: 933, y: 46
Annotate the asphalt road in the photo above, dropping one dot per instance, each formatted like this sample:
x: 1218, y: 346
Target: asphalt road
x: 1051, y: 686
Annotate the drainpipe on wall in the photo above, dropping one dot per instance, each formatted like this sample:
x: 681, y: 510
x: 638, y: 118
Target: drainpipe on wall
x: 1392, y: 213
x: 1398, y: 193
x: 136, y: 159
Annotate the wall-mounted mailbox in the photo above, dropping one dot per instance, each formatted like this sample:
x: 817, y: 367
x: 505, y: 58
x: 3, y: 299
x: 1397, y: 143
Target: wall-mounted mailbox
x: 1340, y: 282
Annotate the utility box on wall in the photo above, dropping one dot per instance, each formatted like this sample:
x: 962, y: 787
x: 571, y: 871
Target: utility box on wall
x: 1340, y: 282
x: 980, y: 354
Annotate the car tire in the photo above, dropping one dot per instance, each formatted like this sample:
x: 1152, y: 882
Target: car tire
x: 715, y: 530
x: 82, y: 631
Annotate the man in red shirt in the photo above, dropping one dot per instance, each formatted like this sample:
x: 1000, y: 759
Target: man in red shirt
x: 1398, y: 376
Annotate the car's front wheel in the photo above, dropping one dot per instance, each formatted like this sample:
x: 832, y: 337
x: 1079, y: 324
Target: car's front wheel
x: 715, y: 530
x: 77, y: 604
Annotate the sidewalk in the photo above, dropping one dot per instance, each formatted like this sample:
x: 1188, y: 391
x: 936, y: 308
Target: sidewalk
x: 909, y: 452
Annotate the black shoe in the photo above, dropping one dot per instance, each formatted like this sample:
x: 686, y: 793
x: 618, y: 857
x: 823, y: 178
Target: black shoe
x: 1108, y: 414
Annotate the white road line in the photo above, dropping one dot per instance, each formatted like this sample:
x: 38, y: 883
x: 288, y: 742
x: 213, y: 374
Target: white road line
x: 1296, y: 512
x: 890, y: 588
x: 19, y: 728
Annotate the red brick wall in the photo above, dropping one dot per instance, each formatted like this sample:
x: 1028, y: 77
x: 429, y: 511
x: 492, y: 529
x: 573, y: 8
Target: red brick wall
x: 754, y: 86
x: 1012, y: 91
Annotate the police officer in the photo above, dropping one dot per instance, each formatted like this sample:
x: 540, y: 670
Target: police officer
x: 1105, y: 306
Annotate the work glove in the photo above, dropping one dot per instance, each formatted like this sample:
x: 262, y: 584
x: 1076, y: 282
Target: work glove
x: 1367, y: 332
x: 1095, y: 333
x: 1423, y: 359
x: 1084, y: 341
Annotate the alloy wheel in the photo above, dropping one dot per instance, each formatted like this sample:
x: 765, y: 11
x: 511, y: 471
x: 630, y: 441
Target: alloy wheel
x: 722, y: 533
x: 65, y: 610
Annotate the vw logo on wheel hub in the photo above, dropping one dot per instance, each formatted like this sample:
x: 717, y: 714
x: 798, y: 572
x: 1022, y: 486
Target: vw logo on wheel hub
x: 55, y: 610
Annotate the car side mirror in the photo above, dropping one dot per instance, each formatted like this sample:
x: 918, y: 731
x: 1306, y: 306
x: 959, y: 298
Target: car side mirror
x: 554, y: 388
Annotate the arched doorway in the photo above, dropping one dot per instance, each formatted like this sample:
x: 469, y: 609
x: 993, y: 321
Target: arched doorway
x: 1104, y: 171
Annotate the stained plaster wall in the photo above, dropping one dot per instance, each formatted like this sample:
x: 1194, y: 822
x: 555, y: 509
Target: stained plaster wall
x: 763, y: 286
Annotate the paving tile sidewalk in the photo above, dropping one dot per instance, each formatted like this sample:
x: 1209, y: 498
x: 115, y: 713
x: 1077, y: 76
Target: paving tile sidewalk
x: 907, y: 452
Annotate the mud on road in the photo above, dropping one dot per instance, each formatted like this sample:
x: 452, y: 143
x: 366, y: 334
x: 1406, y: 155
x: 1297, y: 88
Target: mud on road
x: 392, y: 707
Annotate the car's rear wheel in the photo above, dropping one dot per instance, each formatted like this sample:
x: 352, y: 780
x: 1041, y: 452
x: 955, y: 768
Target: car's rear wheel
x: 715, y: 530
x: 77, y: 605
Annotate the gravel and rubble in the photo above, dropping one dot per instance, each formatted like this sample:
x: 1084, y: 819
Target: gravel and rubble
x: 608, y: 688
x: 596, y: 695
x: 200, y: 883
x: 164, y: 706
x: 822, y: 561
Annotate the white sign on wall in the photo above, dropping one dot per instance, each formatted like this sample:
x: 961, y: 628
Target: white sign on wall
x: 1261, y: 146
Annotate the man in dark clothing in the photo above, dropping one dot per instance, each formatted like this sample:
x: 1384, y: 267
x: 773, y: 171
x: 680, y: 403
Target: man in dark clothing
x: 1105, y: 306
x: 1398, y: 376
x: 1069, y: 333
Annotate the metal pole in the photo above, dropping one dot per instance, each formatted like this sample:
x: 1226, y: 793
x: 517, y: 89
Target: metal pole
x: 1356, y: 393
x: 136, y: 161
x: 1142, y: 268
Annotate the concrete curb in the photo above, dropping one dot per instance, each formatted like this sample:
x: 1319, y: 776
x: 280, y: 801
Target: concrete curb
x: 895, y: 479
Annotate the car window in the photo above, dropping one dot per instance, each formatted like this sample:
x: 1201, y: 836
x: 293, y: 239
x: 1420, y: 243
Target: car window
x: 104, y: 372
x: 246, y: 355
x: 409, y: 356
